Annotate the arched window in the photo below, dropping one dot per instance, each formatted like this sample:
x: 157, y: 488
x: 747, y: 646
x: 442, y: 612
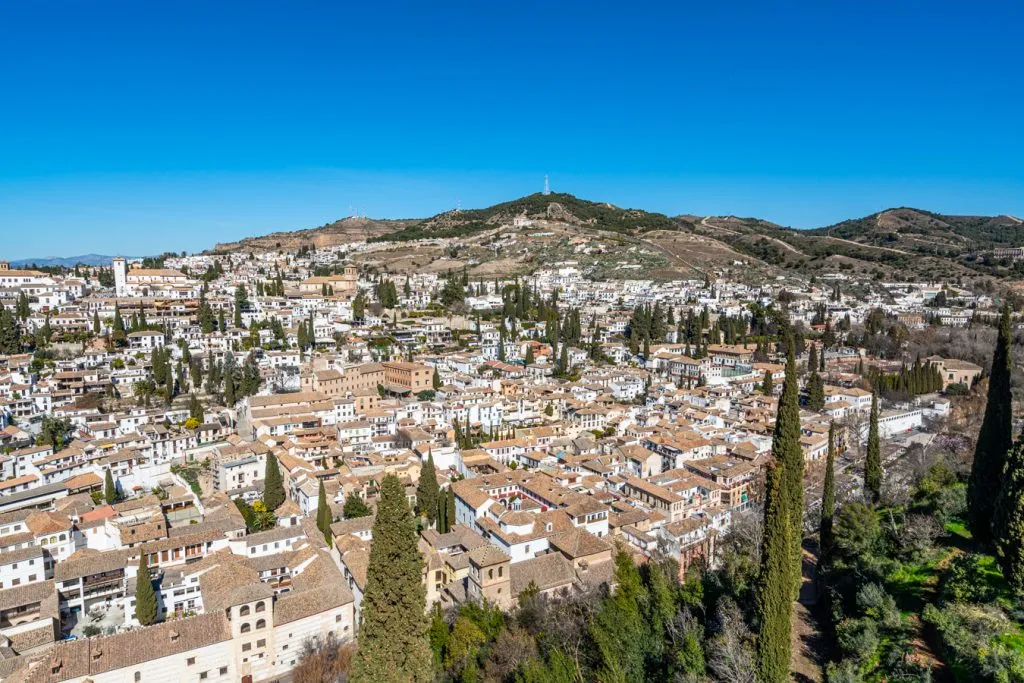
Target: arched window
x: 244, y: 611
x: 260, y: 607
x: 490, y: 573
x: 246, y: 627
x: 262, y: 623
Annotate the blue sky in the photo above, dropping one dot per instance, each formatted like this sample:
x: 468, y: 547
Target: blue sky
x: 136, y: 127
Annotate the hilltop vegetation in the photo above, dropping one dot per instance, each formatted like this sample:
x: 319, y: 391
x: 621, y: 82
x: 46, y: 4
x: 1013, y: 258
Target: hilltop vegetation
x: 559, y: 207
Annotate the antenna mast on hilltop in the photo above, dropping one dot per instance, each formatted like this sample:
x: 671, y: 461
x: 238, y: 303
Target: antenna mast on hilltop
x: 547, y: 188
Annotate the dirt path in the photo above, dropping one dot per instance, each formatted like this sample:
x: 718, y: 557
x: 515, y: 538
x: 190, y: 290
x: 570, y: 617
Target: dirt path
x: 808, y: 642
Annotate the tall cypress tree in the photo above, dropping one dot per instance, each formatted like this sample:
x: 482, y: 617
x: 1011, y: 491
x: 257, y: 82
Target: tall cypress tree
x: 109, y: 489
x: 873, y: 463
x: 450, y: 505
x: 767, y: 384
x: 828, y: 496
x: 146, y: 607
x: 426, y: 491
x: 1008, y: 519
x: 787, y: 451
x: 323, y: 513
x: 273, y: 485
x: 392, y: 636
x: 775, y: 582
x: 994, y: 439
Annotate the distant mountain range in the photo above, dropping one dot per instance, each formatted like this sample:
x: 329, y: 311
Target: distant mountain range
x: 64, y: 261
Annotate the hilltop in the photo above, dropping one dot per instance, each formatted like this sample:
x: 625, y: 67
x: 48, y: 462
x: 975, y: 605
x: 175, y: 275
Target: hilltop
x: 555, y: 207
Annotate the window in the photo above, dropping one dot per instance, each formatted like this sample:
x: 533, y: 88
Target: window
x: 261, y: 643
x: 246, y: 627
x: 244, y: 611
x: 490, y: 573
x: 246, y: 647
x: 138, y: 676
x: 223, y: 671
x: 261, y: 607
x: 203, y: 675
x: 337, y: 618
x: 262, y: 623
x: 190, y: 661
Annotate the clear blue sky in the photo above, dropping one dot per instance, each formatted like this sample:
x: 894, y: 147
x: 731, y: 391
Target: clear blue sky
x: 134, y: 127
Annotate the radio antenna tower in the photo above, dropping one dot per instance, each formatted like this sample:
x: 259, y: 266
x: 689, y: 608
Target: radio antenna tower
x: 547, y: 188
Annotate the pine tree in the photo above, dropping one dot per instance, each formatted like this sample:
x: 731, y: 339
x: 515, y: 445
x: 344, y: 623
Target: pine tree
x: 392, y: 636
x: 323, y: 513
x: 109, y: 489
x: 427, y: 491
x: 873, y: 463
x: 994, y: 439
x: 273, y: 486
x: 828, y: 496
x: 146, y: 607
x: 787, y: 451
x: 355, y: 507
x: 774, y: 595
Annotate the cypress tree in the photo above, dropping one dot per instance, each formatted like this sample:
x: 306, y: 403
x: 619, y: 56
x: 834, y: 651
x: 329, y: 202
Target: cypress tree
x: 767, y: 384
x: 828, y: 495
x: 323, y: 513
x: 450, y: 511
x: 1008, y: 519
x: 815, y: 391
x: 774, y: 597
x: 427, y: 491
x: 392, y: 636
x: 873, y: 463
x: 273, y: 485
x: 109, y: 490
x: 435, y: 381
x: 994, y: 439
x: 786, y: 450
x: 442, y: 513
x: 146, y: 607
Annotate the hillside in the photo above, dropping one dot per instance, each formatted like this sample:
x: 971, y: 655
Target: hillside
x: 344, y: 231
x: 930, y: 233
x: 895, y: 242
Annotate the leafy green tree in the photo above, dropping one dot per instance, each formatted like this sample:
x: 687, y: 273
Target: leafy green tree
x: 355, y: 507
x: 774, y: 595
x: 994, y: 439
x: 393, y: 642
x: 873, y: 463
x: 109, y: 489
x: 273, y: 485
x: 618, y: 630
x: 146, y: 607
x: 427, y: 491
